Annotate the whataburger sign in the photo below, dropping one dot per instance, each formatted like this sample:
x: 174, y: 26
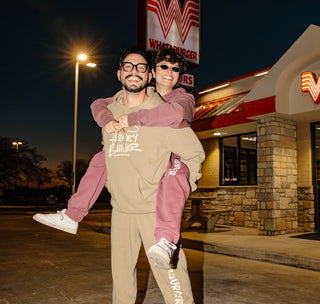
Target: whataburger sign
x: 170, y: 26
x: 308, y: 84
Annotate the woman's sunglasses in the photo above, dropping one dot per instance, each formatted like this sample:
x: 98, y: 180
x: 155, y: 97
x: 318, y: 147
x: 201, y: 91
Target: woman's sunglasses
x: 165, y: 67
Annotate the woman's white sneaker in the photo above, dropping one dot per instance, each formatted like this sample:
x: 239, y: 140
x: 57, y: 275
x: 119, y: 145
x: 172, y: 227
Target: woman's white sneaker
x: 57, y: 220
x: 161, y: 253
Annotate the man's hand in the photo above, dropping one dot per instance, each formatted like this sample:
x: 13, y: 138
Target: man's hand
x: 123, y: 121
x: 112, y: 126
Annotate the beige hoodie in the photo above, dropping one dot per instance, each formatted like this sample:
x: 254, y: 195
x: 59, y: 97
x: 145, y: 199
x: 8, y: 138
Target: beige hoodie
x: 137, y: 158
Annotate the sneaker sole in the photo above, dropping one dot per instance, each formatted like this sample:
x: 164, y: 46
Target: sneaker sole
x: 159, y: 259
x: 49, y: 224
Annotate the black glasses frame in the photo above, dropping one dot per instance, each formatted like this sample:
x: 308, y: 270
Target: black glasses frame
x: 140, y: 67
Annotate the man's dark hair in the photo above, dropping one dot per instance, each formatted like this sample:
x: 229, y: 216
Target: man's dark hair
x: 134, y: 50
x: 170, y: 55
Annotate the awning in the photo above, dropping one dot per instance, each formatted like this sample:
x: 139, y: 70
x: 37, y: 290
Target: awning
x: 221, y: 106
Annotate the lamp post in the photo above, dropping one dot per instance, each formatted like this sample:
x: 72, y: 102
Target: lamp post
x: 81, y: 57
x: 16, y: 143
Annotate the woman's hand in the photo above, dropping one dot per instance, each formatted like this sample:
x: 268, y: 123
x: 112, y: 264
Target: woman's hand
x: 112, y: 126
x: 123, y: 121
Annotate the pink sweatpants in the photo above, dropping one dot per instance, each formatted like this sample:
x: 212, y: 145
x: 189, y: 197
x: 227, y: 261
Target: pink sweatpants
x: 89, y: 189
x: 173, y: 192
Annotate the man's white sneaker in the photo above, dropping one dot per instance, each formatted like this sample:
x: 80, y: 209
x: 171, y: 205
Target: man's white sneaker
x: 161, y: 253
x: 57, y: 220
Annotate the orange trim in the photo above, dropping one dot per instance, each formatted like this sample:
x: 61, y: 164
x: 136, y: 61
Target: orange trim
x: 248, y: 109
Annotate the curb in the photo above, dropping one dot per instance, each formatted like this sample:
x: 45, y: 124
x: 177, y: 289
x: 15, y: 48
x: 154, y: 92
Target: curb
x: 254, y: 254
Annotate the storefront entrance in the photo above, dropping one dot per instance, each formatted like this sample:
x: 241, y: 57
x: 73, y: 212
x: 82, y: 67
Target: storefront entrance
x: 316, y: 158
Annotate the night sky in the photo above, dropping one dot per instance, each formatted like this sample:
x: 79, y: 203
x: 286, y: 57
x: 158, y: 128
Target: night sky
x: 40, y: 37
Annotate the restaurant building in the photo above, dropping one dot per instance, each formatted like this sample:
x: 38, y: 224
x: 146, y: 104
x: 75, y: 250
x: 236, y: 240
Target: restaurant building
x: 261, y: 135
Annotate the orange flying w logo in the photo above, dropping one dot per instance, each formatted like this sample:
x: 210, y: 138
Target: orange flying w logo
x: 308, y: 84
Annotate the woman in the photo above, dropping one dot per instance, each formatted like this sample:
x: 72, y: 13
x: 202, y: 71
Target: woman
x: 174, y: 187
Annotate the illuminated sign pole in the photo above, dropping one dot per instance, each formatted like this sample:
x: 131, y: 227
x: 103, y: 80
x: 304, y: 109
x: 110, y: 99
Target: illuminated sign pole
x: 172, y: 24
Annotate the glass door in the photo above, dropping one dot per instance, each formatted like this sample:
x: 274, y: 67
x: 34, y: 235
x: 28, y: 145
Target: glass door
x: 316, y: 154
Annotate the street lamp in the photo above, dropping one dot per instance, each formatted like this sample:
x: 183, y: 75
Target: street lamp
x: 17, y: 143
x: 81, y: 57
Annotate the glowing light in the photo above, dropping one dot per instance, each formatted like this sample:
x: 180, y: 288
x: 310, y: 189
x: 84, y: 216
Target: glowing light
x: 261, y: 74
x: 82, y: 57
x: 308, y: 84
x: 215, y: 88
x: 17, y: 143
x: 91, y: 65
x: 249, y: 138
x: 219, y: 133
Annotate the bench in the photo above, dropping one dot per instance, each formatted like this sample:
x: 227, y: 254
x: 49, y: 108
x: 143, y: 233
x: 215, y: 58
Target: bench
x: 207, y: 218
x: 213, y: 216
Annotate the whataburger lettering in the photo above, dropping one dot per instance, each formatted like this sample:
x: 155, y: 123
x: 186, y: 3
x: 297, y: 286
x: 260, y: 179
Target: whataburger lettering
x: 308, y: 84
x: 188, y: 54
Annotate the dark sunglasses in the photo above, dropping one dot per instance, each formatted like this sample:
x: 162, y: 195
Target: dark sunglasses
x: 165, y: 67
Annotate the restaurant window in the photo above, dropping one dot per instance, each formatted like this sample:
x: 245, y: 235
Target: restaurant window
x: 238, y: 161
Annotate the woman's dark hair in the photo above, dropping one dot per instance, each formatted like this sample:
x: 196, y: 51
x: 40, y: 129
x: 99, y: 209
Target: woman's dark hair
x: 170, y: 55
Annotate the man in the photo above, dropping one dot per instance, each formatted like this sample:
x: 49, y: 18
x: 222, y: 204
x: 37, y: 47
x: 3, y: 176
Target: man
x: 136, y: 159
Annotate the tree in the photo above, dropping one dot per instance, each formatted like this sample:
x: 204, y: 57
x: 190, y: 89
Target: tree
x: 7, y: 162
x: 64, y: 170
x: 23, y: 164
x: 34, y: 169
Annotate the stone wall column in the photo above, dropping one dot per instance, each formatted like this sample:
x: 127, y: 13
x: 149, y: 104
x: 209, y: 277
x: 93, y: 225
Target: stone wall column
x: 277, y: 176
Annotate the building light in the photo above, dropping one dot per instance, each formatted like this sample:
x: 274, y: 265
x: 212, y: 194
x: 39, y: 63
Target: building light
x: 261, y: 74
x: 249, y: 138
x: 215, y: 88
x: 219, y: 133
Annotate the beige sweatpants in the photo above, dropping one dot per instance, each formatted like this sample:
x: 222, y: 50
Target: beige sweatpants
x: 128, y: 232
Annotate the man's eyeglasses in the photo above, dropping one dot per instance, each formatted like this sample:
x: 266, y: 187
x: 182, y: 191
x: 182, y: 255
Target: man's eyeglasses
x: 128, y: 67
x: 165, y: 67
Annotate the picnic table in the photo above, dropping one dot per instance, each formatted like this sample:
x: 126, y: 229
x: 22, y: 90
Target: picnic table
x: 207, y: 218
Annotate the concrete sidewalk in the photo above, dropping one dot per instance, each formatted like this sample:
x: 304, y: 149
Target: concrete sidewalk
x: 246, y: 243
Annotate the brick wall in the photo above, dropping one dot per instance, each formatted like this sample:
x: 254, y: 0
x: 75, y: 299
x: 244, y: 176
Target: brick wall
x: 277, y: 176
x: 241, y: 200
x: 306, y: 211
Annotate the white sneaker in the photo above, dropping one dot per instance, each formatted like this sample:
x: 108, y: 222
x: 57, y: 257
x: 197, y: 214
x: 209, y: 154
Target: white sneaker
x: 57, y: 220
x: 161, y: 253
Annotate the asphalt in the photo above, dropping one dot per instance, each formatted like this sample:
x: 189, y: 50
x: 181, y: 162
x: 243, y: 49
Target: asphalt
x: 241, y: 242
x: 42, y: 265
